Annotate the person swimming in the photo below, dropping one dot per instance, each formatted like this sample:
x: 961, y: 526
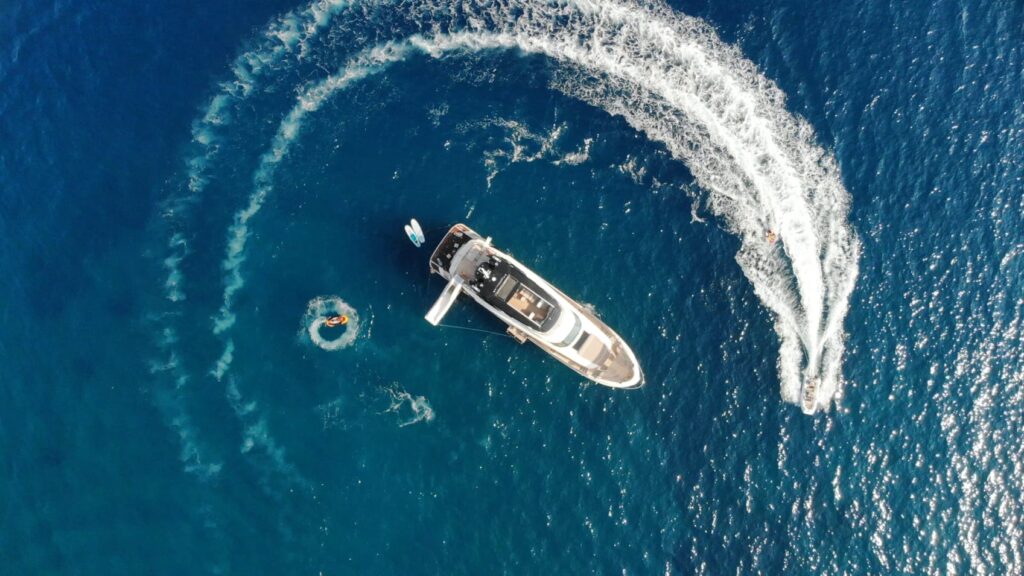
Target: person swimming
x: 772, y: 237
x: 333, y: 321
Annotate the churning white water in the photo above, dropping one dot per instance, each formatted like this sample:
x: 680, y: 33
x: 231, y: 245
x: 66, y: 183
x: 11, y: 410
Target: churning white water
x: 314, y: 322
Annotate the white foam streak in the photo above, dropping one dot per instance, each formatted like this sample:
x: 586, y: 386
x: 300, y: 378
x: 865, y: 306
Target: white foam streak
x: 410, y: 409
x: 172, y: 263
x: 527, y: 146
x: 221, y: 368
x: 256, y: 435
x: 169, y: 402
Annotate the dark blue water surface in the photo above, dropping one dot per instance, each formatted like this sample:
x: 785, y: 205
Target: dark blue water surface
x: 175, y: 196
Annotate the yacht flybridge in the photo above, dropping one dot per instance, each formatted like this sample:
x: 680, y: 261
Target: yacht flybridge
x: 532, y: 308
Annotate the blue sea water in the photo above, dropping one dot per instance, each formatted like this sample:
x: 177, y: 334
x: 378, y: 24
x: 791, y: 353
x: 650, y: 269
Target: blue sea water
x: 186, y: 187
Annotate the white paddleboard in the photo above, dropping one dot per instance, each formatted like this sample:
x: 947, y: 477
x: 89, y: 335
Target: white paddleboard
x: 419, y: 231
x: 412, y: 235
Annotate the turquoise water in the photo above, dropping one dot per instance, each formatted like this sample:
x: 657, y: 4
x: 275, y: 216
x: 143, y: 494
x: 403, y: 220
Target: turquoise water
x: 185, y: 189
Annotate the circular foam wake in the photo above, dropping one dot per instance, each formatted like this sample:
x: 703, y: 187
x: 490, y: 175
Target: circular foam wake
x: 315, y: 319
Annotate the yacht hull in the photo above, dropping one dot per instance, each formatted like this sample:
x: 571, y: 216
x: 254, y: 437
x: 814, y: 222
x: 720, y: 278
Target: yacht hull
x: 533, y: 309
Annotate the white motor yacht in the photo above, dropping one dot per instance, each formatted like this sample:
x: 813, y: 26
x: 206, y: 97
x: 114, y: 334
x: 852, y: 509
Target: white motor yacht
x: 532, y: 308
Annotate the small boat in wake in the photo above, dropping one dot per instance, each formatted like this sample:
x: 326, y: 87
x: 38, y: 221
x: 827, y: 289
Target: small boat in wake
x: 809, y: 396
x: 532, y: 308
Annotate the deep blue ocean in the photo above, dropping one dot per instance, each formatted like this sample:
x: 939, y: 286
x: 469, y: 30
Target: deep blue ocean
x: 186, y: 188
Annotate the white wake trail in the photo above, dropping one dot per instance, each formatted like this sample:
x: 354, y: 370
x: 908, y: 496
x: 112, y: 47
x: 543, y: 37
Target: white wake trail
x: 288, y: 36
x: 670, y: 77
